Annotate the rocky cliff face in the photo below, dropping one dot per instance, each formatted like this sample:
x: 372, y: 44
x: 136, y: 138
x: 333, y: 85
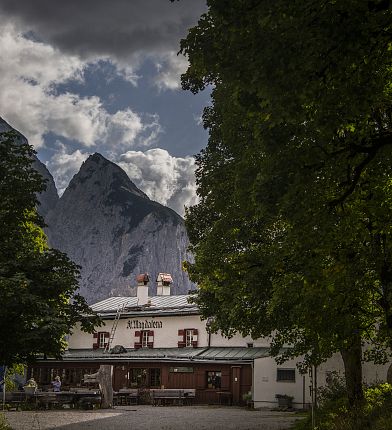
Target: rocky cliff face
x: 114, y: 231
x: 48, y: 199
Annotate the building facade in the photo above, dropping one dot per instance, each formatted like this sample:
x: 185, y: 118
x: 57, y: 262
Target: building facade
x: 162, y: 342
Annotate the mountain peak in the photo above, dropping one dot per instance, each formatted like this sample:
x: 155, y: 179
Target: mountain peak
x: 97, y: 158
x: 99, y: 172
x: 114, y: 231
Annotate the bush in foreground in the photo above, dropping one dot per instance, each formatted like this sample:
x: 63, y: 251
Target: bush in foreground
x: 3, y: 423
x: 334, y: 414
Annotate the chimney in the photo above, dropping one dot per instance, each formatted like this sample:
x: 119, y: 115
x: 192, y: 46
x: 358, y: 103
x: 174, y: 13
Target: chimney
x: 164, y: 281
x: 142, y: 289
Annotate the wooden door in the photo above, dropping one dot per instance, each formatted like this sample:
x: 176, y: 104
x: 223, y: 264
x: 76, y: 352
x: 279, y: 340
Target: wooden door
x: 236, y: 384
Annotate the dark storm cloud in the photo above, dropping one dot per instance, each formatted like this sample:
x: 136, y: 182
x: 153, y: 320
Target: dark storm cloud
x: 117, y: 28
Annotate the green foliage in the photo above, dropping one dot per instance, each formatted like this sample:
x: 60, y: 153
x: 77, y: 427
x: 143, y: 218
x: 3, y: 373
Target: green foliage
x: 292, y: 234
x: 375, y: 413
x: 3, y: 423
x: 39, y: 306
x: 12, y: 371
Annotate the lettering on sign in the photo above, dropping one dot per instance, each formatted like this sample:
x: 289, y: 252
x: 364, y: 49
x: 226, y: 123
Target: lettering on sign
x: 132, y: 324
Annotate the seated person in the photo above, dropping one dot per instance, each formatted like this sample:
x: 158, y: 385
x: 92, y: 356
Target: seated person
x: 56, y: 384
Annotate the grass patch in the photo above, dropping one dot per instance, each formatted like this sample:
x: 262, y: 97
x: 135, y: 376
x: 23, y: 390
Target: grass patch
x: 3, y: 423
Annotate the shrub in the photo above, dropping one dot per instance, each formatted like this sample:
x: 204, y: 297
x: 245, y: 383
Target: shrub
x: 333, y: 412
x: 3, y: 423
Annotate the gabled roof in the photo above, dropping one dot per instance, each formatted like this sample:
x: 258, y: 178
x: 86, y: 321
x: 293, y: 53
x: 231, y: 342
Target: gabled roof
x: 157, y: 305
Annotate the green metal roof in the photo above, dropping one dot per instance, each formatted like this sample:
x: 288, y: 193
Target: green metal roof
x: 170, y: 354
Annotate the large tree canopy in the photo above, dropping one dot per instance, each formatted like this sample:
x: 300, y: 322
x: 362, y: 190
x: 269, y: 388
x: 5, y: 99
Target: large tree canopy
x: 38, y: 303
x: 292, y: 234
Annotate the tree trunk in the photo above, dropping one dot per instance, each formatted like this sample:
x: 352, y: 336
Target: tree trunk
x: 353, y: 371
x: 104, y: 379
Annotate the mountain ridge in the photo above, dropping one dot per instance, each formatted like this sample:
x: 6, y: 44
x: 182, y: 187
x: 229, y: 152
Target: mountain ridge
x: 113, y: 230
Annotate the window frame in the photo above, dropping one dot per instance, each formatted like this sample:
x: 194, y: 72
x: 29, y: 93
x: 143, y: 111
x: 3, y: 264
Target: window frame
x: 144, y: 338
x: 98, y: 336
x: 102, y: 342
x: 188, y: 338
x: 282, y: 372
x: 214, y: 374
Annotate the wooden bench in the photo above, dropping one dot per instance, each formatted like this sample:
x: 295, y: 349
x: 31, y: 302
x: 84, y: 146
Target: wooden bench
x: 172, y: 396
x: 125, y: 397
x: 189, y: 395
x: 14, y: 399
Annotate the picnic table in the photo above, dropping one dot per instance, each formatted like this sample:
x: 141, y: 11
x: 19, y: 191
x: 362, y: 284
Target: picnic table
x: 167, y: 396
x: 225, y: 397
x: 46, y: 399
x: 126, y: 396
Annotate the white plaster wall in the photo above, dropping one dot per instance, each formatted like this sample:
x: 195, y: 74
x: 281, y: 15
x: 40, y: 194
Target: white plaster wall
x: 81, y: 340
x: 238, y: 340
x: 371, y: 372
x: 265, y: 385
x: 165, y: 337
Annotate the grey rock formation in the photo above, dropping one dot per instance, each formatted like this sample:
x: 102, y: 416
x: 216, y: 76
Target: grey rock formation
x: 48, y: 199
x: 114, y: 232
x: 111, y: 229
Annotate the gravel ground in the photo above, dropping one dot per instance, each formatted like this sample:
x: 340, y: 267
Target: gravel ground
x: 152, y: 418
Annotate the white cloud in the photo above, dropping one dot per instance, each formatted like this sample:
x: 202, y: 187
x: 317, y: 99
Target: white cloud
x: 29, y: 102
x: 64, y: 166
x: 169, y: 68
x: 166, y: 179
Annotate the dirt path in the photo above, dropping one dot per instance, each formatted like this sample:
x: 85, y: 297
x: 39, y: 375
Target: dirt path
x: 152, y: 418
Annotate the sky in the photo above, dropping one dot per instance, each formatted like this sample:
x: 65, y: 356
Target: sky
x: 78, y: 77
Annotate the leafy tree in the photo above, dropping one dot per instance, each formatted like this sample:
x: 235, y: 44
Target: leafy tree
x: 292, y: 235
x: 39, y: 306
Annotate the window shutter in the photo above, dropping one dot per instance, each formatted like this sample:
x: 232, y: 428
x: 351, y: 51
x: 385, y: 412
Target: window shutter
x: 95, y: 344
x: 195, y: 337
x: 106, y: 333
x: 181, y: 340
x: 150, y: 342
x: 138, y: 342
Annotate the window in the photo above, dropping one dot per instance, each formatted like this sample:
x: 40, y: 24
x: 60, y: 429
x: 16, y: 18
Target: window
x: 140, y: 378
x: 188, y: 338
x: 155, y: 377
x: 144, y: 339
x: 285, y: 375
x: 214, y: 380
x: 101, y: 338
